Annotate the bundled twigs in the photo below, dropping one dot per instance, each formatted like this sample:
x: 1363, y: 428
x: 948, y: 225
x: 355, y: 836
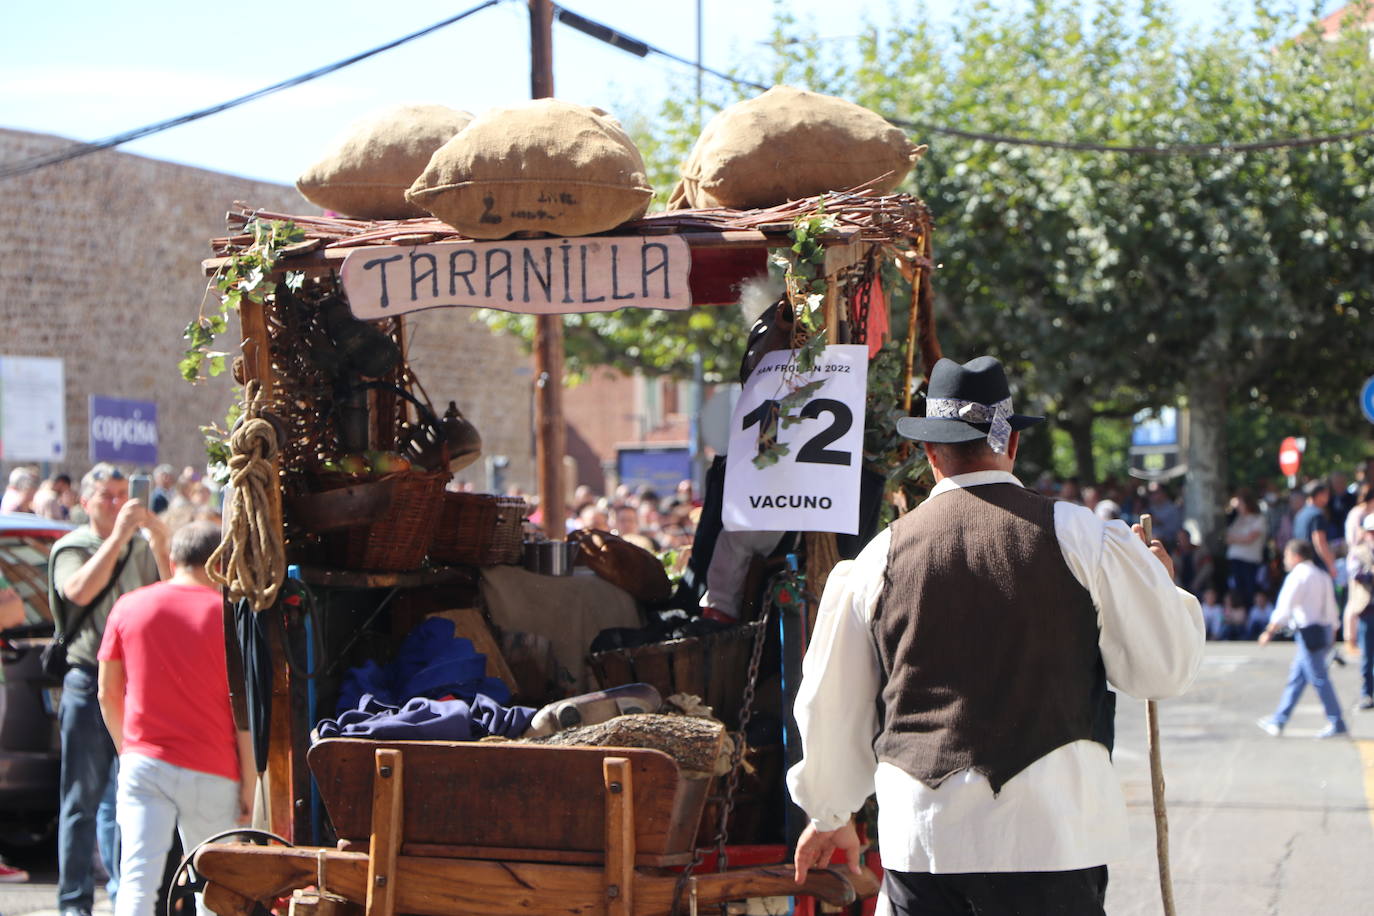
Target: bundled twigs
x: 877, y: 217
x: 251, y: 560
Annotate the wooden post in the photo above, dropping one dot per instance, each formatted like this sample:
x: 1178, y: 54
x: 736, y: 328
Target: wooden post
x: 280, y: 778
x: 620, y: 836
x: 386, y: 832
x: 548, y: 334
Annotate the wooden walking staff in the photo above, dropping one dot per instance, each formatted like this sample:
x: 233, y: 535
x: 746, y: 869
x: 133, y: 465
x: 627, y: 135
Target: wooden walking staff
x: 1166, y: 882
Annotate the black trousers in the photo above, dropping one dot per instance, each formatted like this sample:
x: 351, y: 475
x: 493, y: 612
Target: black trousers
x: 1026, y: 893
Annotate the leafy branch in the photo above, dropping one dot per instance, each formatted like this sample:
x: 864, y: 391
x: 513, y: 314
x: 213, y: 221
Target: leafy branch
x: 803, y: 265
x: 245, y: 275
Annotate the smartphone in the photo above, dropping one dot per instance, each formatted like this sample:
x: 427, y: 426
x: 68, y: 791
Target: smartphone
x: 141, y: 489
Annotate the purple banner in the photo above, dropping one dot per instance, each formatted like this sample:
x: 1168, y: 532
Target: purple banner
x: 123, y: 431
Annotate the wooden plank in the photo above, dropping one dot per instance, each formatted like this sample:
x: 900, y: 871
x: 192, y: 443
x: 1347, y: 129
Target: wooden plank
x: 219, y: 899
x: 443, y: 887
x: 654, y: 666
x: 830, y: 310
x: 844, y: 254
x: 620, y: 836
x: 514, y: 854
x: 689, y: 669
x: 278, y: 776
x: 510, y: 795
x: 387, y: 809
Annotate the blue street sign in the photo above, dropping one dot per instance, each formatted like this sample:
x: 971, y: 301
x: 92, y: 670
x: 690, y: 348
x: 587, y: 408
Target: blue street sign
x: 1367, y: 399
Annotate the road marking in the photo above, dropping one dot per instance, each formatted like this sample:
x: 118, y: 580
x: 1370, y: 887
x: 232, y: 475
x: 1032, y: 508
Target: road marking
x: 1367, y: 763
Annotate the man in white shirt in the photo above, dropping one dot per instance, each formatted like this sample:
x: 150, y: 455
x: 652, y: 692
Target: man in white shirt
x: 1307, y: 603
x: 959, y: 670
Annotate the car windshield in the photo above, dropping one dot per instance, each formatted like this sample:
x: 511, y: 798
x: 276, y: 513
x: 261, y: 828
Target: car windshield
x: 24, y: 562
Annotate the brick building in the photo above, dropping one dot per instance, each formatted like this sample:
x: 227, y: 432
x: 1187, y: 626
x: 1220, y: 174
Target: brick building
x: 99, y: 265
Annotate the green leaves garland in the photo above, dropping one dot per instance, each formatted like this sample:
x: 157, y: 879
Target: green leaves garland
x: 803, y: 265
x: 247, y: 274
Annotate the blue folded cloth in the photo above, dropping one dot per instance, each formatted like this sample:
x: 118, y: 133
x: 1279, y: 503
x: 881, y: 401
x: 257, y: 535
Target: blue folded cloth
x: 432, y: 662
x: 422, y: 718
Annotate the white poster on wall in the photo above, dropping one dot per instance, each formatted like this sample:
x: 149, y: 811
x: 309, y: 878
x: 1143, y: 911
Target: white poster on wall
x: 33, y: 409
x: 814, y: 485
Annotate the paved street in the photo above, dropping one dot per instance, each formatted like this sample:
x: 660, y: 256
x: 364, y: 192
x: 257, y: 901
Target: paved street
x: 1258, y: 825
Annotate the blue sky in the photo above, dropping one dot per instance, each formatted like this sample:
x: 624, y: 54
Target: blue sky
x: 88, y: 69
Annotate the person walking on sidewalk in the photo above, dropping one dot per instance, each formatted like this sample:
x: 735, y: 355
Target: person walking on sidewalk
x: 1359, y: 607
x: 1307, y: 603
x: 959, y: 669
x: 164, y: 691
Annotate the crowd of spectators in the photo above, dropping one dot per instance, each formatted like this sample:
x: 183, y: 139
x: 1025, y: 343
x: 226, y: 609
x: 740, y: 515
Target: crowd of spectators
x: 178, y: 498
x: 641, y: 516
x: 1237, y: 581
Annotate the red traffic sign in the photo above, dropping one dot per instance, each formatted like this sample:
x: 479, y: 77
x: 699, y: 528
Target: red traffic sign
x: 1290, y: 456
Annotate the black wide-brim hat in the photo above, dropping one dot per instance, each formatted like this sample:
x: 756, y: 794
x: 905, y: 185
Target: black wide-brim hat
x: 979, y: 381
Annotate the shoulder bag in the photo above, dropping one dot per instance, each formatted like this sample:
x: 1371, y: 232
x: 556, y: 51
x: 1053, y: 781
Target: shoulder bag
x: 53, y: 661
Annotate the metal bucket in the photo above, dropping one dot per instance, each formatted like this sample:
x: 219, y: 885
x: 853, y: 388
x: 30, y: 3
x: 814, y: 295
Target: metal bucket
x: 550, y: 558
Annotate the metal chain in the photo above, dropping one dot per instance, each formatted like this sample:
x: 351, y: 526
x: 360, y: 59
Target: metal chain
x: 861, y: 294
x: 746, y: 712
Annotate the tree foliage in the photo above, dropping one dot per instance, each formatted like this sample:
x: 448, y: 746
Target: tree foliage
x: 1108, y: 281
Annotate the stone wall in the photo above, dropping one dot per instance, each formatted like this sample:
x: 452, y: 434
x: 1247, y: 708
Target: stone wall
x: 100, y: 265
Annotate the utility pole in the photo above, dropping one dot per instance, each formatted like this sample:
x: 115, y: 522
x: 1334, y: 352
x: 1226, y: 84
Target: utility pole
x: 697, y: 398
x: 548, y: 334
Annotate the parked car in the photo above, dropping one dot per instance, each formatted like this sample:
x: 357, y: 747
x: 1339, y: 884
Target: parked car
x: 30, y: 750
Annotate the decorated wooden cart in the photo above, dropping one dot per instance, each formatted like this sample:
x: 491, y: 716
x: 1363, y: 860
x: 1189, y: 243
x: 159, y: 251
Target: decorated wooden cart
x: 440, y: 827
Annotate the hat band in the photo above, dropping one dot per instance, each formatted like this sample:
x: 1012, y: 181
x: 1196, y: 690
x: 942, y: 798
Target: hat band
x: 998, y: 414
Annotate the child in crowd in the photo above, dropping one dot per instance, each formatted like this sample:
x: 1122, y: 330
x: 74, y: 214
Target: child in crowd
x: 1213, y: 615
x: 1235, y: 615
x: 1260, y: 613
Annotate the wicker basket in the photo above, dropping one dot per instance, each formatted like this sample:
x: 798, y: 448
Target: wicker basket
x: 396, y: 537
x: 477, y: 529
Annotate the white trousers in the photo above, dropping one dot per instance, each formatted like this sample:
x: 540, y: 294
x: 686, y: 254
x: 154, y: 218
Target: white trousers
x: 155, y: 796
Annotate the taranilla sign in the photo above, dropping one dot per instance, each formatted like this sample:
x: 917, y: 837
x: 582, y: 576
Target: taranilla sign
x: 815, y: 485
x: 542, y: 277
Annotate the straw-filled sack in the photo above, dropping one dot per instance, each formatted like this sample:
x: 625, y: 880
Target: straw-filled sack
x: 787, y: 144
x: 544, y: 166
x: 366, y: 169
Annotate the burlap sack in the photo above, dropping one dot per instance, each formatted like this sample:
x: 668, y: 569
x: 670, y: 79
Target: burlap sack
x: 790, y: 143
x: 366, y: 169
x: 545, y: 166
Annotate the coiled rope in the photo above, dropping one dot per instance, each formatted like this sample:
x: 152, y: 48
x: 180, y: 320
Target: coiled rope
x: 251, y: 560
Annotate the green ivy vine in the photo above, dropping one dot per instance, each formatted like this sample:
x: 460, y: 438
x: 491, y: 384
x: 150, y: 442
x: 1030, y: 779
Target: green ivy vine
x: 803, y: 265
x: 246, y: 274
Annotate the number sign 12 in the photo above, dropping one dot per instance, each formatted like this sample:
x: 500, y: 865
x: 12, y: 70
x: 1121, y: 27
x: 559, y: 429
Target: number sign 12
x: 815, y: 485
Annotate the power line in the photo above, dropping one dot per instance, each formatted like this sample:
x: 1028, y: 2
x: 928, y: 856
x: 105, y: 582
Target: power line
x: 618, y: 39
x: 85, y: 149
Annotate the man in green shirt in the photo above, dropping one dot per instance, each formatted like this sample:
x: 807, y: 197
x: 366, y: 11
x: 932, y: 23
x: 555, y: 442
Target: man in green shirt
x: 94, y: 565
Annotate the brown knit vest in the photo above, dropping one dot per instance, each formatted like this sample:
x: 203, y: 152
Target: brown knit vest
x: 987, y: 641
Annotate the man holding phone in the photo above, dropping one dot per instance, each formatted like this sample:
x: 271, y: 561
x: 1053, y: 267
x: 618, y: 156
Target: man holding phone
x: 90, y: 568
